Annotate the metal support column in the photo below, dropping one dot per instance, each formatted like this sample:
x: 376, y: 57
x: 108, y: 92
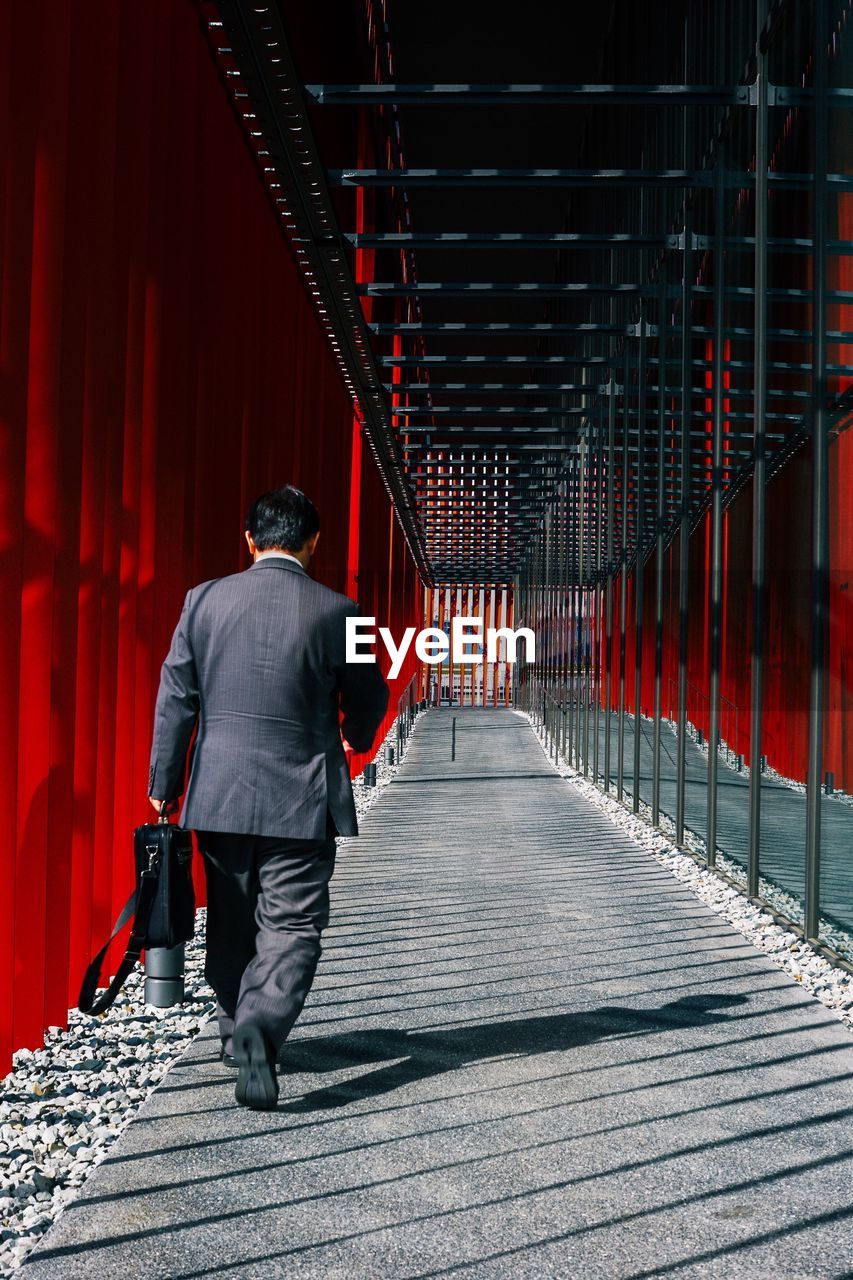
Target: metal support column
x: 623, y: 578
x: 587, y: 614
x: 599, y: 494
x: 608, y: 602
x: 759, y: 473
x: 684, y: 525
x: 820, y: 481
x: 715, y: 612
x: 659, y: 548
x: 571, y: 516
x: 580, y: 620
x: 638, y: 561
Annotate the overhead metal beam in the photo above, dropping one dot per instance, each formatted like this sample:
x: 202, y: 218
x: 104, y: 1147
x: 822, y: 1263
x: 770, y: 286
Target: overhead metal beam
x: 502, y: 289
x: 504, y: 240
x: 498, y: 327
x: 556, y: 388
x: 541, y: 361
x: 546, y: 95
x: 630, y: 179
x: 559, y: 289
x: 617, y: 178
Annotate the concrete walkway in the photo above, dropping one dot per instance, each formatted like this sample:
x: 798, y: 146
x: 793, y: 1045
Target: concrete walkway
x: 530, y: 1052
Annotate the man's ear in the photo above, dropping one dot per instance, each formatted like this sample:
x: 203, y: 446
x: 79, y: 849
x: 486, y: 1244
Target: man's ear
x: 312, y: 542
x: 250, y: 543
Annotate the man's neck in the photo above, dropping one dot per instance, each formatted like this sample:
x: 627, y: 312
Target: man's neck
x: 287, y: 555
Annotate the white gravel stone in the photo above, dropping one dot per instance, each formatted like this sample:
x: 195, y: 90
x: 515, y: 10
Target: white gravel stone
x: 828, y: 983
x: 63, y: 1106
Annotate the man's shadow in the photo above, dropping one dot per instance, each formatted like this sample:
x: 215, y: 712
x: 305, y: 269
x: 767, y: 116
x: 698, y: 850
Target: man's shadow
x: 416, y: 1055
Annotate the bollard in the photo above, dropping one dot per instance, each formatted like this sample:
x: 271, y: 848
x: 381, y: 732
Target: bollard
x: 370, y: 775
x: 740, y: 764
x: 389, y: 754
x: 829, y: 783
x: 453, y: 739
x: 763, y: 763
x: 164, y: 976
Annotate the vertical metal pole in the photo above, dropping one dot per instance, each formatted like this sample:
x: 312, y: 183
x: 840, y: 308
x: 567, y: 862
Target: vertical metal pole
x: 587, y: 657
x: 623, y: 578
x: 598, y: 638
x: 638, y: 560
x: 686, y: 414
x: 581, y: 571
x: 546, y: 544
x: 564, y: 593
x: 570, y: 533
x: 820, y: 481
x: 559, y: 591
x: 759, y: 473
x: 659, y: 538
x: 716, y: 584
x: 684, y: 526
x: 608, y: 601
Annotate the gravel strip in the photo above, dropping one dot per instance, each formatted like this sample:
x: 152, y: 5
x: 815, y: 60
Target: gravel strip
x: 62, y: 1107
x: 828, y: 983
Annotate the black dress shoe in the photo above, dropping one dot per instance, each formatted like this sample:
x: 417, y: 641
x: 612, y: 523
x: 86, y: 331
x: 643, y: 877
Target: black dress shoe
x: 257, y: 1085
x: 228, y: 1059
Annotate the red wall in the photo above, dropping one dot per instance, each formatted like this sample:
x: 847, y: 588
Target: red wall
x: 160, y: 365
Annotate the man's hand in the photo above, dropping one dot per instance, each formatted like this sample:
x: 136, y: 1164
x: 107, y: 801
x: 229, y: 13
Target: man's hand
x: 171, y: 805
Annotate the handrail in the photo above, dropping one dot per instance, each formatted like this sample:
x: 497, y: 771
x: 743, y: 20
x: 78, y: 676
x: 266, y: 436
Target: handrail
x: 407, y: 708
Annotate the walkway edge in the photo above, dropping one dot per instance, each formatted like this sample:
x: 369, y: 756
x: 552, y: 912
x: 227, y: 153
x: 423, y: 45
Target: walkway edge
x: 829, y: 984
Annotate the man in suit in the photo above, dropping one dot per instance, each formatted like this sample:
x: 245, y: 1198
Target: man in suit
x: 257, y: 664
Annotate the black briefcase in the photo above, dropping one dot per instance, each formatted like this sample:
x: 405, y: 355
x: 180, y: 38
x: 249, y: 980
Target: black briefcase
x: 162, y: 906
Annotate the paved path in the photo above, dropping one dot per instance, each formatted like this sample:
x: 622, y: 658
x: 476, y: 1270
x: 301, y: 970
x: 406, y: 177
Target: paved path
x: 530, y: 1053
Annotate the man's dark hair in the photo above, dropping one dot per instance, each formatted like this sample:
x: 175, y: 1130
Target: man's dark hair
x: 283, y: 519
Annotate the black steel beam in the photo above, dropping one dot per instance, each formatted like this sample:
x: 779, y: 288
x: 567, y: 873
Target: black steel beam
x: 546, y: 95
x: 504, y: 240
x: 395, y: 240
x: 540, y: 361
x: 630, y: 179
x: 564, y: 288
x: 492, y: 289
x: 498, y: 327
x: 609, y: 178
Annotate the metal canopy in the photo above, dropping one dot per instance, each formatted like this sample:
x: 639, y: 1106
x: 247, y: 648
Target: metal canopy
x: 600, y: 324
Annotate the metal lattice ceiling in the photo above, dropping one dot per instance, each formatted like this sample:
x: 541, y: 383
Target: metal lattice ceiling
x: 535, y: 296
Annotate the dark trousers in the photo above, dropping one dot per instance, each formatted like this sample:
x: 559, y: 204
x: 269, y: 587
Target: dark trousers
x: 267, y: 905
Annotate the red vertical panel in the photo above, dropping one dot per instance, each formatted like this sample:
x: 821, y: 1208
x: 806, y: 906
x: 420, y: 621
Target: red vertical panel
x: 41, y: 497
x: 98, y: 359
x: 73, y: 301
x: 154, y: 381
x: 17, y: 150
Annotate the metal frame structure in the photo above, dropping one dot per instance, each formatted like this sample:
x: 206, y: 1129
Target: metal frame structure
x: 592, y: 416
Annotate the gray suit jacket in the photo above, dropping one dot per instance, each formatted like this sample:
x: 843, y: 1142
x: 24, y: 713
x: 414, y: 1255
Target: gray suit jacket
x: 258, y: 662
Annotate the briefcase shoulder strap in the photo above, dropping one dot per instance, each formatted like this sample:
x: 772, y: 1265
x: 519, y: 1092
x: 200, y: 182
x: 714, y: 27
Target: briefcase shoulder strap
x: 143, y: 898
